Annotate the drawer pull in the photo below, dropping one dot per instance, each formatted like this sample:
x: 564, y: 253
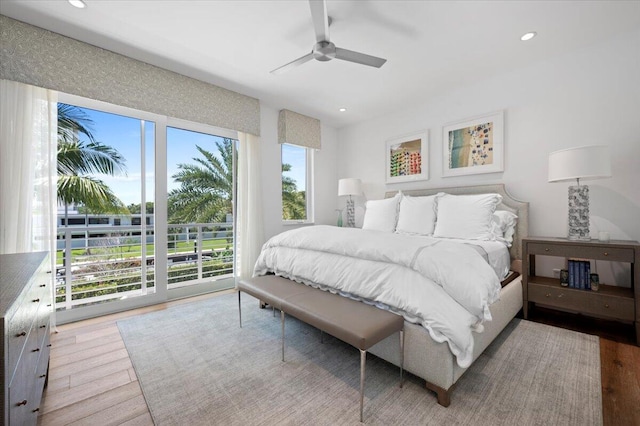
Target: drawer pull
x: 547, y: 249
x: 42, y: 376
x: 561, y: 295
x: 43, y: 326
x: 35, y: 410
x: 43, y: 285
x: 36, y: 300
x: 49, y: 345
x: 548, y: 295
x: 606, y: 305
x: 24, y: 333
x: 48, y: 272
x: 49, y: 305
x: 36, y: 350
x: 23, y: 402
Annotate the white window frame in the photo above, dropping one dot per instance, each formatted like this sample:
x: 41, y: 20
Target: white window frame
x: 308, y: 189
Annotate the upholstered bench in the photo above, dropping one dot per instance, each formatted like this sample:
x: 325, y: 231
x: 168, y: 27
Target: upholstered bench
x: 353, y: 322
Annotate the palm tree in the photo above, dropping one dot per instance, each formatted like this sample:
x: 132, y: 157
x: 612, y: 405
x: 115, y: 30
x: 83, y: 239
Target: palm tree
x: 205, y: 194
x: 294, y: 205
x: 77, y: 160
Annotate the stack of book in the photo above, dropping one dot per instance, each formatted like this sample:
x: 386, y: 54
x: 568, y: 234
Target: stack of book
x: 579, y: 274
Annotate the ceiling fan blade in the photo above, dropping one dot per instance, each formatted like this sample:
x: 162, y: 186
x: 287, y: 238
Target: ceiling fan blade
x: 293, y: 64
x: 320, y: 19
x: 359, y: 58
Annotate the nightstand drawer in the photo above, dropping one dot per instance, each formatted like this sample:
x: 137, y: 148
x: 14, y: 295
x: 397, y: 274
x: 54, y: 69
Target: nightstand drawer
x: 586, y: 302
x: 613, y: 254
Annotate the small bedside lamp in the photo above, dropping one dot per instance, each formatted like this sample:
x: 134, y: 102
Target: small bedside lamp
x: 350, y: 186
x: 586, y: 162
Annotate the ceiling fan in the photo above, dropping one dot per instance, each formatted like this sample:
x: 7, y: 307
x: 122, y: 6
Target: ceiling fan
x: 324, y: 50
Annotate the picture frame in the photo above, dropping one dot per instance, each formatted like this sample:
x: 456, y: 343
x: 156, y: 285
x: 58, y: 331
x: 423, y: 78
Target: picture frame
x: 407, y: 158
x: 473, y: 145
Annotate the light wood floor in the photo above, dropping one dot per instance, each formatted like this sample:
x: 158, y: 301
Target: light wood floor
x: 92, y: 381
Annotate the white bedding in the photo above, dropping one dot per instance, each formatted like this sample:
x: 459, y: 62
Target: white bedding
x: 496, y: 253
x: 443, y: 285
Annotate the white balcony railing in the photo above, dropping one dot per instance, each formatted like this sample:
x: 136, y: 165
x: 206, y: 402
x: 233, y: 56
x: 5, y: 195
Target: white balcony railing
x: 97, y: 264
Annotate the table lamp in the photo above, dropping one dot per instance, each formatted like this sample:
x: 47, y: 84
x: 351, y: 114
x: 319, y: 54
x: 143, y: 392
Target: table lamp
x: 350, y: 186
x: 585, y: 162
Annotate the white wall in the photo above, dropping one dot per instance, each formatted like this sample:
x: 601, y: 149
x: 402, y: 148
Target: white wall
x: 588, y: 97
x: 325, y: 175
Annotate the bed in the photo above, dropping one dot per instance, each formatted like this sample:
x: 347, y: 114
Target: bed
x: 430, y: 353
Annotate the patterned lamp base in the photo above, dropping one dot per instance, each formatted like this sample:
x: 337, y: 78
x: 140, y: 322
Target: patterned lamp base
x: 579, y: 213
x: 351, y: 213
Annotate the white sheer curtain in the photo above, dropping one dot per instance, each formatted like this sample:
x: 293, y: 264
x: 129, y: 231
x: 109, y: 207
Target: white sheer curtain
x: 249, y: 200
x: 28, y: 143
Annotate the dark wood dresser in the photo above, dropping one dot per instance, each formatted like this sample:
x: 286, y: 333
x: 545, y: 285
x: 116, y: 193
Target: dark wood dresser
x: 610, y: 302
x: 26, y: 306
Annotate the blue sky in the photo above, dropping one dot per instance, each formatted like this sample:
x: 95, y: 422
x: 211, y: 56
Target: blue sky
x: 123, y: 134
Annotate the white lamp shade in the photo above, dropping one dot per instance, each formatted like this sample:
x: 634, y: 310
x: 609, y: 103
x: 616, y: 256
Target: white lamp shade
x: 585, y: 162
x: 349, y: 186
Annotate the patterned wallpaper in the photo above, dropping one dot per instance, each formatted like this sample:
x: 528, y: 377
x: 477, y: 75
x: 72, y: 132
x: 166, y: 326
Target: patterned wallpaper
x: 35, y: 56
x: 298, y: 129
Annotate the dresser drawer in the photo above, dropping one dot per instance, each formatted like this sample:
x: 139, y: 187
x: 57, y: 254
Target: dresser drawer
x: 613, y: 254
x: 586, y: 302
x: 42, y: 320
x: 19, y: 327
x: 22, y: 395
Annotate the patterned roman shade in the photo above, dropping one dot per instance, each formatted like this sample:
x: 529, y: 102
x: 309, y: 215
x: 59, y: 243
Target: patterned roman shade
x: 298, y: 129
x: 46, y: 59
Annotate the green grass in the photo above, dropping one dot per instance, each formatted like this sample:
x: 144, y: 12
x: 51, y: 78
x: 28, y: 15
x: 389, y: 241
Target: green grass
x: 131, y: 251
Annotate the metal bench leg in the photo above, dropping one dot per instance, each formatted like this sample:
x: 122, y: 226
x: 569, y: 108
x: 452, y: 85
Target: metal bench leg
x: 282, y: 321
x: 401, y: 356
x: 363, y: 360
x: 239, y: 308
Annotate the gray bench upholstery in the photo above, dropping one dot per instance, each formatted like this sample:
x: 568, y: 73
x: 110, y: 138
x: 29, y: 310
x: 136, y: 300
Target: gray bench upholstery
x: 353, y: 322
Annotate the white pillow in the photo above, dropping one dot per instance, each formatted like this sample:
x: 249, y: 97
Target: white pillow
x: 417, y: 215
x: 466, y: 216
x: 382, y: 215
x: 504, y: 226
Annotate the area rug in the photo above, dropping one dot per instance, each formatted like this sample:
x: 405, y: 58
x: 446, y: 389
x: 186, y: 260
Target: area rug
x: 196, y: 366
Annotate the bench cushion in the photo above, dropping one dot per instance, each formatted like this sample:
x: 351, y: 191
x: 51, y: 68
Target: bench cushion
x: 272, y: 289
x: 353, y: 322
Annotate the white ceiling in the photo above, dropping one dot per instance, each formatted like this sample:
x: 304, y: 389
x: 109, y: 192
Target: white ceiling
x: 430, y: 46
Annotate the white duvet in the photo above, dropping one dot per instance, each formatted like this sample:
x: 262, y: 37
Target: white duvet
x: 446, y: 287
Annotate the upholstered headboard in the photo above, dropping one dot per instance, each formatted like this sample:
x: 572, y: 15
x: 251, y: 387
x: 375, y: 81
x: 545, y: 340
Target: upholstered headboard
x: 509, y: 203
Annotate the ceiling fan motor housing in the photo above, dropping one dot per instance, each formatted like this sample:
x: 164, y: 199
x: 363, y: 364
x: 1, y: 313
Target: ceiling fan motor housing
x: 324, y: 51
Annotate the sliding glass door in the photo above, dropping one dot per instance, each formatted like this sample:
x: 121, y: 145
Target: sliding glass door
x: 145, y: 208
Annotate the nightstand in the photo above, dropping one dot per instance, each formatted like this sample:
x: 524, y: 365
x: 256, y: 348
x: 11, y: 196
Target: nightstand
x: 610, y: 302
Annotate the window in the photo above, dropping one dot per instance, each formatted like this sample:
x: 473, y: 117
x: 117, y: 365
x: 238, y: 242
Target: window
x: 201, y: 170
x: 98, y: 221
x: 296, y: 184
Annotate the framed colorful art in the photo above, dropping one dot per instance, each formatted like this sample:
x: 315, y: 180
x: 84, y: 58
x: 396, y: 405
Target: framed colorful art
x: 407, y: 158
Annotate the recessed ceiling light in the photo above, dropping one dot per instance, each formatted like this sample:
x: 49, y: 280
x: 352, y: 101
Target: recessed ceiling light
x: 528, y: 36
x: 78, y: 3
x: 342, y: 110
